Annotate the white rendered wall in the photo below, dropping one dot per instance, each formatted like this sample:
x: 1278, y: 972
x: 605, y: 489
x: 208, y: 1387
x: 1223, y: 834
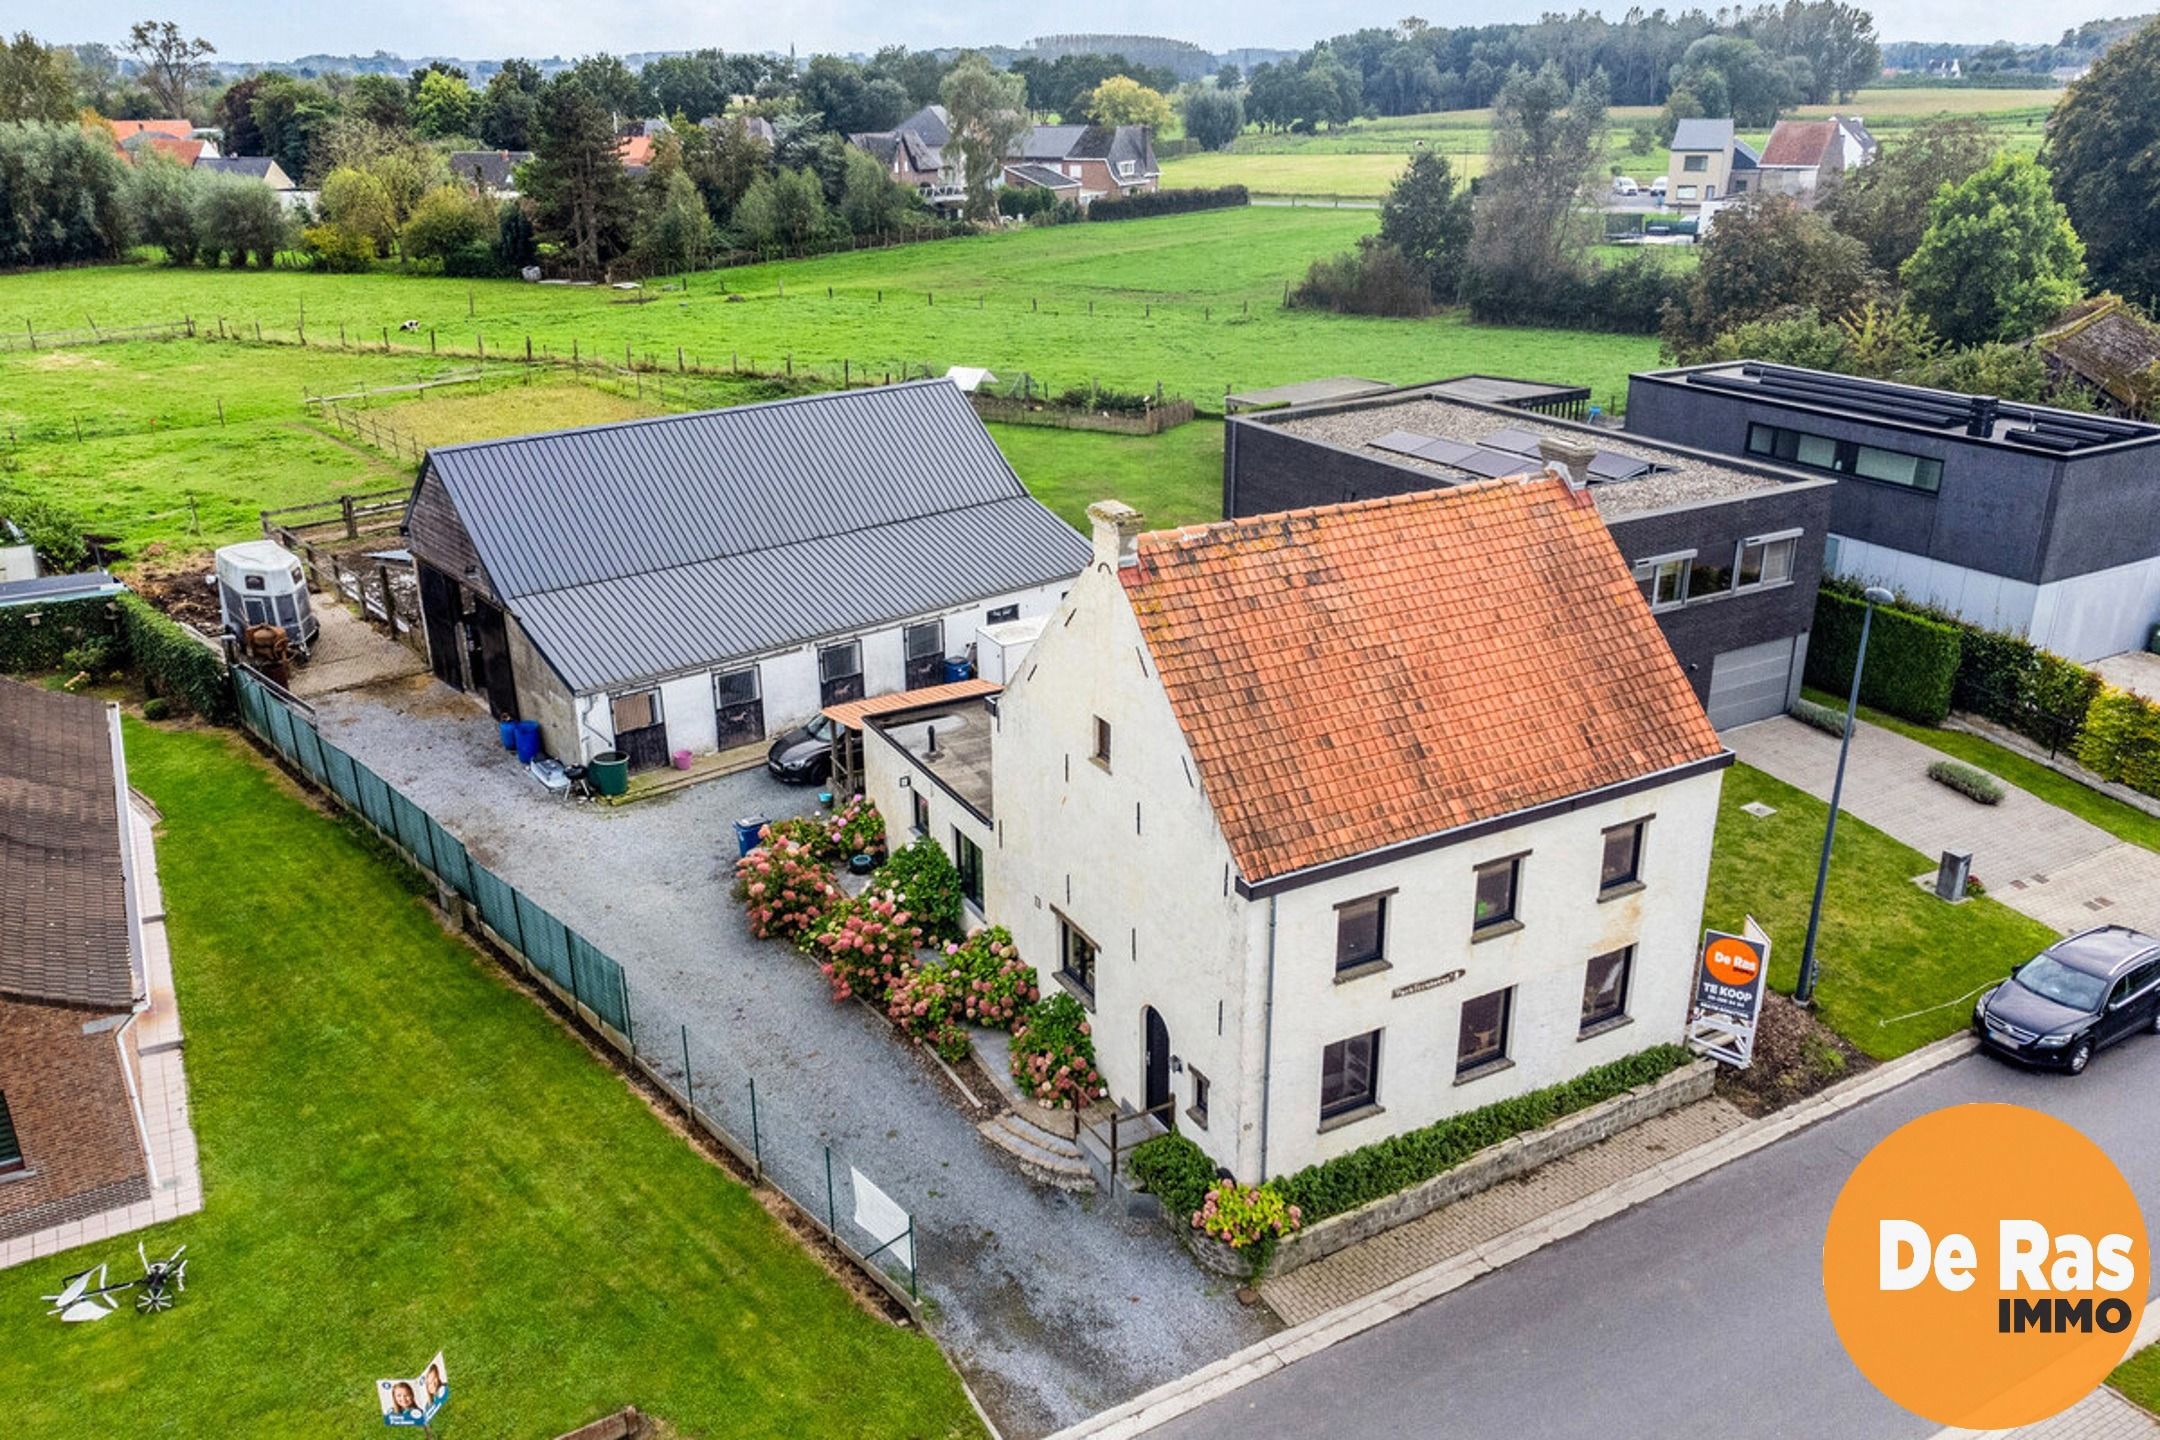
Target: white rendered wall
x: 2086, y: 617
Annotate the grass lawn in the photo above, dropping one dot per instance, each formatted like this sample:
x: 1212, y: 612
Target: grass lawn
x: 2122, y: 821
x: 2139, y: 1378
x: 1888, y: 947
x: 1174, y: 478
x: 401, y: 1153
x: 1190, y: 301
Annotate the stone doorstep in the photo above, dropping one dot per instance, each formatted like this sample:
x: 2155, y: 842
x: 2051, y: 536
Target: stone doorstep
x: 1042, y: 1156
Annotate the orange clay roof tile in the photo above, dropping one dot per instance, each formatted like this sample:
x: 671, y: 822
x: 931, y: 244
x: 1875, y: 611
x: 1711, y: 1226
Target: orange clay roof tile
x: 1355, y: 676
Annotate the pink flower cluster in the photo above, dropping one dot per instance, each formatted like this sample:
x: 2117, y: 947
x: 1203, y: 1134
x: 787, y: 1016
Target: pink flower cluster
x: 785, y: 888
x: 1053, y: 1060
x: 1243, y: 1215
x: 858, y: 829
x: 994, y: 981
x: 921, y: 1005
x: 868, y: 946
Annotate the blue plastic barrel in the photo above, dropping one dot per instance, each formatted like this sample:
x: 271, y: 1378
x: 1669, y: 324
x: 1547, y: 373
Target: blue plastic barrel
x: 528, y: 741
x: 957, y: 670
x: 747, y: 831
x: 509, y: 733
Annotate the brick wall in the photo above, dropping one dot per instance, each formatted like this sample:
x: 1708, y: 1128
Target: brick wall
x: 69, y: 1100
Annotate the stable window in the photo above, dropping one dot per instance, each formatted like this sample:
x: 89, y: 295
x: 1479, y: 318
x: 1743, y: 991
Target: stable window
x: 1002, y: 614
x: 640, y: 728
x: 1483, y: 1044
x: 11, y: 1156
x: 1695, y: 162
x: 1767, y: 561
x: 925, y: 654
x: 1076, y: 957
x: 968, y: 860
x: 1605, y: 987
x: 739, y: 706
x: 840, y: 673
x: 1101, y: 755
x: 1622, y: 864
x: 1497, y: 883
x: 1349, y: 1072
x: 1197, y: 1112
x: 1361, y: 933
x: 921, y: 812
x: 1664, y: 579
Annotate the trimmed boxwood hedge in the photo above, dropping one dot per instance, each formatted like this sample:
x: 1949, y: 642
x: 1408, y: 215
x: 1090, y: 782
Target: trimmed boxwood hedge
x: 1972, y: 783
x: 1386, y: 1166
x: 2010, y: 680
x: 1142, y: 204
x: 2122, y: 740
x: 1912, y: 662
x: 1175, y: 1171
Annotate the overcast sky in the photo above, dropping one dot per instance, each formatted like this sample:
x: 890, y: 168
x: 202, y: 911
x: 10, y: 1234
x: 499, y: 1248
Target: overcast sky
x: 492, y: 29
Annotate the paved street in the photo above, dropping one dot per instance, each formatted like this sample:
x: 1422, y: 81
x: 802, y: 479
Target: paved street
x: 2059, y: 869
x: 1594, y: 1338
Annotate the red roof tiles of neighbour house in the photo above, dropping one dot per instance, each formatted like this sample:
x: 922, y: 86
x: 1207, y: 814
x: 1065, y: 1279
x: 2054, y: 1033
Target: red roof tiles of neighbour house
x: 187, y: 152
x: 1360, y: 675
x: 1800, y: 142
x: 635, y: 150
x: 177, y: 129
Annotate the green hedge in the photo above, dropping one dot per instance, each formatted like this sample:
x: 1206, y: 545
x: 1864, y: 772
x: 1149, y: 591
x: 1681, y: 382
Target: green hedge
x: 175, y: 664
x: 35, y: 637
x: 1142, y: 204
x: 2010, y: 680
x: 1912, y: 661
x: 2122, y: 740
x: 1175, y: 1171
x: 1386, y: 1166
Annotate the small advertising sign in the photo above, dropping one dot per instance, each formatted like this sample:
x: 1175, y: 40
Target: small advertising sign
x: 414, y: 1404
x: 1729, y: 993
x: 886, y: 1222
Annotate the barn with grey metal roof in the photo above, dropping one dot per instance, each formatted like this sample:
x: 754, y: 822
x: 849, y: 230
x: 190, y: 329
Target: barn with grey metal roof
x: 586, y: 563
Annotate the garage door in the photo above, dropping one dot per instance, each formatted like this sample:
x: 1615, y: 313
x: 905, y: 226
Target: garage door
x: 1750, y: 683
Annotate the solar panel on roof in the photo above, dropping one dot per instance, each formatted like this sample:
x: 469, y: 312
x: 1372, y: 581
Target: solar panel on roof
x: 1402, y: 442
x: 1612, y: 465
x: 1493, y: 464
x: 1512, y: 440
x: 1444, y: 452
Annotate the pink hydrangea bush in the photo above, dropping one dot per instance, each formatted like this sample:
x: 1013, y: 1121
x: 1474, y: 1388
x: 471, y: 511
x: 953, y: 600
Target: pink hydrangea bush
x: 867, y: 945
x: 784, y: 887
x: 813, y: 832
x: 1246, y: 1217
x: 1053, y: 1058
x: 994, y: 982
x: 924, y: 1005
x: 858, y: 829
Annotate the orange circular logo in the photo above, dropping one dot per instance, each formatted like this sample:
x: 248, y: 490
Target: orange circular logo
x: 1732, y: 962
x: 1986, y: 1266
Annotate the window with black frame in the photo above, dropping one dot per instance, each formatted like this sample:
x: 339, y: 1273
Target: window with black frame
x: 968, y: 860
x: 1605, y: 988
x: 1483, y: 1043
x: 11, y: 1156
x: 1076, y: 957
x: 1349, y: 1075
x: 1361, y: 933
x: 1497, y: 884
x: 739, y: 707
x: 840, y: 673
x: 925, y: 654
x: 1621, y: 866
x: 919, y: 805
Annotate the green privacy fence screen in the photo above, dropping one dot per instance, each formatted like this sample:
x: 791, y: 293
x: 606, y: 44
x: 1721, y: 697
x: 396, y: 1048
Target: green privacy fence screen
x: 576, y: 966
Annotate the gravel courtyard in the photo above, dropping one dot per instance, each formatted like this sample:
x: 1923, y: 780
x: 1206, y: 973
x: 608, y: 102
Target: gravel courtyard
x: 1053, y: 1306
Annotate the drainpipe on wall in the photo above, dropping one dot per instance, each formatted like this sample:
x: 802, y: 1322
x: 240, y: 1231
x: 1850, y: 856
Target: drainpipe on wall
x: 1267, y: 1038
x: 127, y: 1073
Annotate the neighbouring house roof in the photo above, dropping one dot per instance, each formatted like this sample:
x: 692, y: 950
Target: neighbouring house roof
x: 1088, y: 142
x: 932, y: 122
x: 756, y: 125
x: 1854, y: 126
x: 1042, y: 175
x: 250, y: 167
x: 1744, y: 156
x: 851, y: 715
x: 177, y: 129
x: 53, y: 589
x: 654, y: 546
x: 65, y: 932
x: 1358, y: 676
x: 1800, y: 143
x: 635, y: 151
x: 920, y: 156
x: 488, y: 169
x: 1699, y: 134
x: 2112, y: 348
x: 186, y: 152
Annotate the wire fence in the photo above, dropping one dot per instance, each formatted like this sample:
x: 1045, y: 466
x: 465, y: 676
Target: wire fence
x: 718, y: 1093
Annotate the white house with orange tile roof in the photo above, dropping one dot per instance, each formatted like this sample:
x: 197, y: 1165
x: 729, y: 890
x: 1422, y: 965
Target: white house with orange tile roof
x: 1344, y: 820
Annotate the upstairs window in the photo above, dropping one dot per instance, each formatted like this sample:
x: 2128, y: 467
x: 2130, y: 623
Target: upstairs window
x: 1622, y: 865
x: 1497, y: 883
x: 1695, y: 162
x: 1101, y: 755
x: 1664, y: 579
x: 1768, y: 561
x: 1361, y: 933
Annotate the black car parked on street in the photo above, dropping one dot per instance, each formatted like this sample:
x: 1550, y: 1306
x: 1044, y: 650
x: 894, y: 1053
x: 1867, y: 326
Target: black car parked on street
x: 2074, y: 999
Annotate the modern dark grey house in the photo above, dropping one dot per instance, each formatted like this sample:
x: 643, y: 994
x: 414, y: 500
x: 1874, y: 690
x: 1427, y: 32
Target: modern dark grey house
x: 2021, y: 518
x: 695, y: 582
x: 1728, y: 553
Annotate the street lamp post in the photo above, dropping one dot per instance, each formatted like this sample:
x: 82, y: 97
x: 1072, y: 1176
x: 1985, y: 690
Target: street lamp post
x: 1804, y: 991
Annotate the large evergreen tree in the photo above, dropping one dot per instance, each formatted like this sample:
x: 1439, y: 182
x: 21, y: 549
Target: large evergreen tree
x: 1999, y: 259
x: 581, y: 196
x: 2103, y: 153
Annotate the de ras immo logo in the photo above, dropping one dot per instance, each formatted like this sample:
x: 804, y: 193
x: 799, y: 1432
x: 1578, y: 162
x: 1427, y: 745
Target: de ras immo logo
x: 1986, y: 1266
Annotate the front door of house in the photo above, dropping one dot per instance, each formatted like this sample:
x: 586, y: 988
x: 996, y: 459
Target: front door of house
x: 1158, y: 1063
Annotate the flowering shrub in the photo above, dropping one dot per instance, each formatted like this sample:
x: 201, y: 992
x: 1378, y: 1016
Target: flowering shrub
x: 1053, y: 1060
x: 994, y: 981
x: 1246, y: 1217
x: 923, y: 1003
x: 858, y: 829
x: 809, y: 831
x: 921, y: 873
x: 867, y: 945
x: 784, y: 887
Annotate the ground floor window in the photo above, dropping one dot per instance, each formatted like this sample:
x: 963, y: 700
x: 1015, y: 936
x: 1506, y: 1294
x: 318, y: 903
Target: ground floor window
x: 1484, y: 1039
x: 1076, y: 956
x: 968, y: 860
x: 739, y: 706
x: 840, y: 673
x: 1349, y: 1075
x: 925, y: 654
x: 11, y: 1156
x: 921, y: 809
x: 1605, y: 987
x: 1197, y: 1112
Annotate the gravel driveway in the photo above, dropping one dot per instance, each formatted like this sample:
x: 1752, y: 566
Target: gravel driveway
x: 1053, y: 1306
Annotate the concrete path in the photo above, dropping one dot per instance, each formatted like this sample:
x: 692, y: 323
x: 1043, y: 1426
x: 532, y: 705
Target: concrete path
x: 2063, y: 871
x: 1371, y: 1265
x: 2102, y: 1415
x: 2134, y: 670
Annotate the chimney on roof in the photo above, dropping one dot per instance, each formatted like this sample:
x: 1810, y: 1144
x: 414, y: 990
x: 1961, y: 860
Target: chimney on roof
x: 1982, y: 423
x: 1117, y: 525
x: 1570, y: 457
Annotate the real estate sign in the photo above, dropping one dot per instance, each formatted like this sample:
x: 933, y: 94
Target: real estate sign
x: 414, y: 1403
x: 1729, y: 994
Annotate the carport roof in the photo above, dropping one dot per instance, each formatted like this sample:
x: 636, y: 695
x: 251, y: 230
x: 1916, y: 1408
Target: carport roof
x: 643, y: 549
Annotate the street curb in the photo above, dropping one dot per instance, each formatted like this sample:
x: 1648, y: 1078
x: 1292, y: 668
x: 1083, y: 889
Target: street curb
x: 1235, y: 1371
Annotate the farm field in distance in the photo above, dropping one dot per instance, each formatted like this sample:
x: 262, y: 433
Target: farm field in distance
x: 1362, y: 159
